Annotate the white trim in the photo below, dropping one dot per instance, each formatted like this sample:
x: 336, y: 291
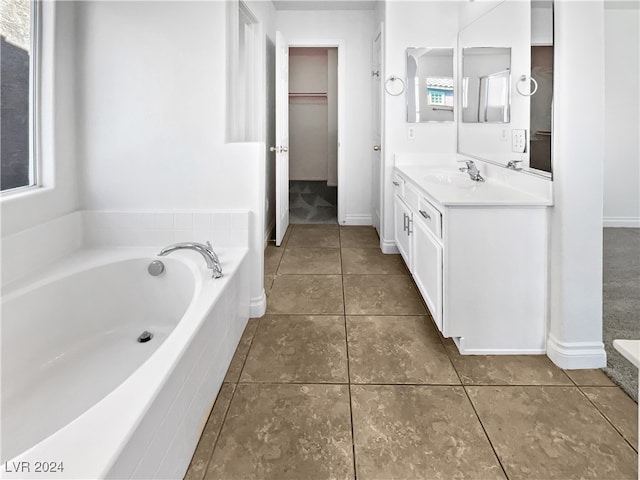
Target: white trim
x: 621, y: 222
x: 268, y: 231
x: 258, y: 306
x: 576, y: 355
x: 357, y: 219
x: 340, y: 44
x: 388, y: 247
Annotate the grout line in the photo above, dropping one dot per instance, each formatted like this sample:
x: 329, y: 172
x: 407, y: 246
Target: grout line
x: 464, y: 388
x: 485, y: 432
x: 246, y: 357
x: 224, y: 420
x: 385, y: 384
x: 635, y: 449
x: 235, y: 389
x: 346, y: 340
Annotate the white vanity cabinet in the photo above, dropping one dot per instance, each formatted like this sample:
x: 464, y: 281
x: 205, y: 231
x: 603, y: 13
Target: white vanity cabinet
x: 480, y: 265
x: 403, y: 229
x: 427, y: 267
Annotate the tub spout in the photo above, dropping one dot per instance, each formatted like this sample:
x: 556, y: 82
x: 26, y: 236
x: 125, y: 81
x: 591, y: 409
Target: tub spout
x: 205, y: 250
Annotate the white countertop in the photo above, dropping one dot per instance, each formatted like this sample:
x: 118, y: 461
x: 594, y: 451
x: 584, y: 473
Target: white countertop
x: 630, y: 349
x: 489, y: 192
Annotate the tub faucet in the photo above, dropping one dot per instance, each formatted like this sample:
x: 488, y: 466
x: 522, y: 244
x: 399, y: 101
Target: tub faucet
x: 472, y: 170
x: 205, y: 250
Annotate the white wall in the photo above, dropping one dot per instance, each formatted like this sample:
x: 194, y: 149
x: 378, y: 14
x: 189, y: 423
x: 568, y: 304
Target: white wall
x: 265, y: 13
x: 412, y: 24
x: 575, y: 330
x: 471, y: 11
x: 153, y: 96
x: 622, y: 117
x: 308, y: 116
x: 356, y: 29
x: 58, y: 195
x: 332, y: 117
x: 152, y: 115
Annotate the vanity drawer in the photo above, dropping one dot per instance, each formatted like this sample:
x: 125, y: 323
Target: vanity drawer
x: 398, y: 184
x: 431, y: 217
x: 411, y: 196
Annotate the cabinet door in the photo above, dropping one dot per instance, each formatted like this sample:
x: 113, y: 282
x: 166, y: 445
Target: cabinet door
x: 427, y: 269
x: 403, y: 219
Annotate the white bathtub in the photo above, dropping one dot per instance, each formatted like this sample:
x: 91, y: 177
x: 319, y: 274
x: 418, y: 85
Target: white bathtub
x: 79, y: 391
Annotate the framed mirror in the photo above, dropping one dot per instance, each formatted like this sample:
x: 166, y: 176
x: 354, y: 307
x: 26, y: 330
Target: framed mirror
x: 486, y: 84
x: 430, y: 85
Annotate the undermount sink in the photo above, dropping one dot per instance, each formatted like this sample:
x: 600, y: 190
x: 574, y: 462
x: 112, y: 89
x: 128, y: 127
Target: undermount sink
x: 453, y: 179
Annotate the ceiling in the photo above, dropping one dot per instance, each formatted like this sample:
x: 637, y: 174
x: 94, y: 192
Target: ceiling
x: 325, y: 4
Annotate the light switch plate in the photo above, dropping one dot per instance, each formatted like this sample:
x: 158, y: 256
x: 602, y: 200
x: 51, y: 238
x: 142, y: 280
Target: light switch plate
x: 518, y: 140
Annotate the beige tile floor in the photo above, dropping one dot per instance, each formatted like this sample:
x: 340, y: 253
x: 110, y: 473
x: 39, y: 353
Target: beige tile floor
x: 346, y: 377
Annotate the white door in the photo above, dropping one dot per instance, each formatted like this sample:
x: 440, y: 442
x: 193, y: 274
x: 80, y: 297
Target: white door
x: 376, y: 189
x: 281, y: 147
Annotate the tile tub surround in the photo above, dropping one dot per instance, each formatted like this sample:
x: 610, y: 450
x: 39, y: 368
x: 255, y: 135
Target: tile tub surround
x: 161, y: 228
x: 397, y: 401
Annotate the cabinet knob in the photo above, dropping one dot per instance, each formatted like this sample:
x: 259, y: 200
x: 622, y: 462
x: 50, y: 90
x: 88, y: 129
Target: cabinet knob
x: 396, y: 183
x: 377, y: 148
x: 425, y: 214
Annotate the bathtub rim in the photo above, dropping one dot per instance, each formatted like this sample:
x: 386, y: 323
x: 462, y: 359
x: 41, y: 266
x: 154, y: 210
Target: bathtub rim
x: 69, y: 444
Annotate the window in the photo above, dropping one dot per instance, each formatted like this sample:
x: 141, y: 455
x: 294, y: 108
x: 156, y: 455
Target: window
x: 243, y: 112
x: 18, y: 29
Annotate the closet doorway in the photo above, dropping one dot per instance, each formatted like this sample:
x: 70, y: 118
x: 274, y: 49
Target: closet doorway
x: 313, y: 135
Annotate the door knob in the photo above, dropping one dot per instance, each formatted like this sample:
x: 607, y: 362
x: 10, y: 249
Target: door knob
x: 376, y: 148
x: 279, y: 149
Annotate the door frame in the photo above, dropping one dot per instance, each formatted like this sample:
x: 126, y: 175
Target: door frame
x: 340, y: 45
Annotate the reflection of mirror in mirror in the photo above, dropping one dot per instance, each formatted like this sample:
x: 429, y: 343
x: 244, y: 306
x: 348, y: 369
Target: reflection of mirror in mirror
x: 542, y: 72
x: 486, y: 84
x: 429, y: 85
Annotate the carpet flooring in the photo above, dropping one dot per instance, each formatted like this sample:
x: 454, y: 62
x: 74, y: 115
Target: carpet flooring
x: 621, y: 302
x: 312, y: 202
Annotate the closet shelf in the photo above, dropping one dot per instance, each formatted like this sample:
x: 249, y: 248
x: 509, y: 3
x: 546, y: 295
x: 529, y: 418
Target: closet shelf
x: 310, y: 94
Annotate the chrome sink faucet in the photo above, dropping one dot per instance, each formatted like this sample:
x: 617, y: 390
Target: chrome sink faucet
x: 205, y: 250
x: 472, y: 170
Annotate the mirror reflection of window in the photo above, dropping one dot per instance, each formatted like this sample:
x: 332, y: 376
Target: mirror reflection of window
x: 486, y: 85
x: 440, y: 91
x: 494, y: 98
x: 430, y: 96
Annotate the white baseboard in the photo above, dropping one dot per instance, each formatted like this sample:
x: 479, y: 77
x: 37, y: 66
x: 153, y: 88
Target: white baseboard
x: 621, y: 222
x: 358, y: 220
x: 576, y: 355
x: 268, y: 231
x: 388, y: 246
x: 495, y: 351
x: 258, y: 306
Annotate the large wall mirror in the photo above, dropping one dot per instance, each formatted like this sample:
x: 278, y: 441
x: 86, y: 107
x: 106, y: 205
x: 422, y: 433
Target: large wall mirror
x: 542, y: 72
x: 486, y: 84
x: 430, y: 85
x: 506, y: 85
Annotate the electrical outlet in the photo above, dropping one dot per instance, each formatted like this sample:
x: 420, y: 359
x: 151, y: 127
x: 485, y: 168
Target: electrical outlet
x: 518, y: 140
x: 411, y: 133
